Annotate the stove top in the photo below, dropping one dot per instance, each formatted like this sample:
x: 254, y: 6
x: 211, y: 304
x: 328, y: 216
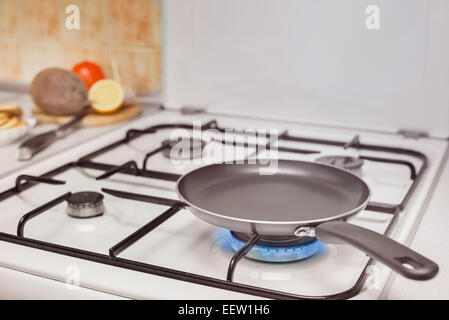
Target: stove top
x: 123, y: 186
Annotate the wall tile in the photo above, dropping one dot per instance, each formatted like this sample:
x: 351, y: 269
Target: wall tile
x: 77, y: 54
x: 36, y: 57
x: 134, y: 66
x: 40, y: 20
x: 129, y: 21
x: 156, y: 23
x: 91, y: 22
x: 33, y: 37
x: 157, y: 70
x: 9, y: 19
x: 11, y: 62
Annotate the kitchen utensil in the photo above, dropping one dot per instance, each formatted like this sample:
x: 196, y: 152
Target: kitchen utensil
x: 41, y: 141
x: 302, y: 199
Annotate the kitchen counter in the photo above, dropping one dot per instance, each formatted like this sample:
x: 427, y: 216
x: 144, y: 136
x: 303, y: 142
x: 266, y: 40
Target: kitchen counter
x: 8, y: 160
x: 431, y: 240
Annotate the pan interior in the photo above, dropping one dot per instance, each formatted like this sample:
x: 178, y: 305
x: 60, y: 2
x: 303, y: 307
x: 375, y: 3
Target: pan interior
x: 299, y: 191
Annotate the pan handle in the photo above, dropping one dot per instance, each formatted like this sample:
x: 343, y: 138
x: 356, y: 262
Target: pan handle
x: 403, y: 260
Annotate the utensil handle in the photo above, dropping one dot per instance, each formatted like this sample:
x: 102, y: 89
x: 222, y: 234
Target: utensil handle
x: 401, y: 259
x: 72, y: 124
x: 36, y: 144
x: 41, y: 141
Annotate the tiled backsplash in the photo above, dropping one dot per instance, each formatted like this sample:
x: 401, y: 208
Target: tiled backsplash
x: 33, y: 36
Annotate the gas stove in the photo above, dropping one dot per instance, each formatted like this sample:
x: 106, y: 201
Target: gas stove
x: 105, y: 215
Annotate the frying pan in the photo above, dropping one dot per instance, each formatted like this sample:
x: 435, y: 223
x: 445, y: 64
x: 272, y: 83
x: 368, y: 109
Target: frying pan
x: 300, y: 199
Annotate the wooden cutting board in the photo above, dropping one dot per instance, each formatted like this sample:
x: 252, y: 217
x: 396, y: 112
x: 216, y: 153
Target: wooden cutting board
x: 93, y: 120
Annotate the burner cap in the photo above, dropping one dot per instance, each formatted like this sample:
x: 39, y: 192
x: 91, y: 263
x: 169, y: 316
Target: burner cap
x: 186, y: 148
x: 345, y: 162
x: 86, y: 204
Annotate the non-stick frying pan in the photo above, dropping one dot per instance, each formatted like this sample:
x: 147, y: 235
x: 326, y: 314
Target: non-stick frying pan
x: 299, y: 198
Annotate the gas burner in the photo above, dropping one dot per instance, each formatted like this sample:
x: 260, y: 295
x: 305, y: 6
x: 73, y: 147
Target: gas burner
x: 277, y: 248
x: 86, y: 204
x: 353, y: 164
x: 276, y: 241
x: 186, y: 148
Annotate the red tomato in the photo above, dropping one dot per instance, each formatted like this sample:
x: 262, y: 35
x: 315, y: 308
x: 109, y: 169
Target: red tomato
x: 88, y: 71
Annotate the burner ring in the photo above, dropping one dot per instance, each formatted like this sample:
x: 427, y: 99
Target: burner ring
x: 276, y: 241
x: 277, y: 249
x: 349, y: 163
x: 85, y: 204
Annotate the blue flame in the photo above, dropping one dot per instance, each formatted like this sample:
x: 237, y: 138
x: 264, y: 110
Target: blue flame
x: 271, y: 254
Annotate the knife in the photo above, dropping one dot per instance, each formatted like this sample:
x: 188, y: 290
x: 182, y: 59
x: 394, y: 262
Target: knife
x: 41, y: 141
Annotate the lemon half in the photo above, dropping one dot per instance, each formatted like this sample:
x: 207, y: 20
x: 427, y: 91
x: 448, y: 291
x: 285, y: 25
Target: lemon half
x: 106, y: 96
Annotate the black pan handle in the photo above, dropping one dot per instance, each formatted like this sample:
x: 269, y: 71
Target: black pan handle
x: 401, y: 259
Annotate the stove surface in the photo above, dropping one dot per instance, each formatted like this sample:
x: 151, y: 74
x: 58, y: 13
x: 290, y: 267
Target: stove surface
x: 186, y: 244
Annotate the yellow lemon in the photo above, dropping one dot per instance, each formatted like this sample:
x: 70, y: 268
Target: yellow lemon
x: 106, y: 96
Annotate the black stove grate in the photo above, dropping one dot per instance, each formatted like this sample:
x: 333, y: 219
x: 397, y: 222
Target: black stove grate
x: 174, y: 206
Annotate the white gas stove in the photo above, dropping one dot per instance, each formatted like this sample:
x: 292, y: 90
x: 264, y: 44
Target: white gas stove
x: 372, y: 101
x: 144, y: 245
